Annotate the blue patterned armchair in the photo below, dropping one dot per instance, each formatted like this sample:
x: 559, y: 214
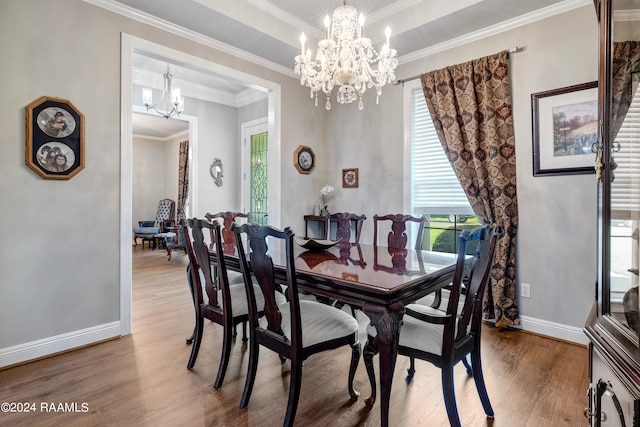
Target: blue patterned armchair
x: 147, y: 230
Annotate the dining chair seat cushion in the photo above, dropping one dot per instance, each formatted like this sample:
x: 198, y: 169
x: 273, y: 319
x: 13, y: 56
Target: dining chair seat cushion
x: 418, y: 334
x: 238, y: 293
x: 320, y: 322
x: 235, y: 277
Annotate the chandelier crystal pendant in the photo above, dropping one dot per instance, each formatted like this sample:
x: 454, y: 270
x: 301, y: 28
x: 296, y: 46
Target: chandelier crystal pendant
x: 346, y: 59
x: 171, y: 99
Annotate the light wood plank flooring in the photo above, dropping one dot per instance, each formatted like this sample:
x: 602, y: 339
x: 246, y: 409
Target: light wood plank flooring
x: 142, y: 380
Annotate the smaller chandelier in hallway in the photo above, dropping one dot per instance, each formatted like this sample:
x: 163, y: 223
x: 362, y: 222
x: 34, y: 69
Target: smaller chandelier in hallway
x: 171, y: 99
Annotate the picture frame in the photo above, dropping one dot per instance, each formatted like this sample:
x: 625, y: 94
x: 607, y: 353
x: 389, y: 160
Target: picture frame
x: 304, y: 159
x: 54, y: 143
x: 565, y: 125
x: 350, y: 178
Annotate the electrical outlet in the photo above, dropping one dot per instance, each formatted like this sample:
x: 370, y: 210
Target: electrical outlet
x: 525, y: 290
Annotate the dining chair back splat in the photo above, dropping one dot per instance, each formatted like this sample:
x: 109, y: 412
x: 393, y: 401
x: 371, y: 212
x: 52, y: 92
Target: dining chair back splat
x: 228, y: 238
x: 216, y: 300
x: 344, y: 219
x: 296, y: 329
x: 445, y: 338
x: 228, y: 218
x: 397, y: 237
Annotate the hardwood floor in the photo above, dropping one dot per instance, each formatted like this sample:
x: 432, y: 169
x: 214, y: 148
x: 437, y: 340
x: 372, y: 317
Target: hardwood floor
x: 142, y: 380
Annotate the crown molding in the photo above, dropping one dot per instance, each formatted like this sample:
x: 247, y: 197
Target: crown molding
x: 392, y: 9
x: 510, y: 24
x: 164, y: 138
x: 169, y: 27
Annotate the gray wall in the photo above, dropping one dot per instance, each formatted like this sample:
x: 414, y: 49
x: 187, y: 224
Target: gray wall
x: 60, y: 246
x: 557, y: 214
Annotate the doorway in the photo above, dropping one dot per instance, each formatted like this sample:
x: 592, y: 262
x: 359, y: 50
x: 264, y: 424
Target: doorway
x: 131, y: 44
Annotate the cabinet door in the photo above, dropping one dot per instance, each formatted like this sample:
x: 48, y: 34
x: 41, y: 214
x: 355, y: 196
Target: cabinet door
x: 617, y: 407
x: 620, y: 173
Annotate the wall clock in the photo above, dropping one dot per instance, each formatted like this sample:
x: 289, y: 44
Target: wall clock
x: 350, y: 178
x: 304, y: 159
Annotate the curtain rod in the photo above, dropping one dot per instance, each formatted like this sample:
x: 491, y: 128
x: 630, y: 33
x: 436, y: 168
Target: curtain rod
x: 514, y: 49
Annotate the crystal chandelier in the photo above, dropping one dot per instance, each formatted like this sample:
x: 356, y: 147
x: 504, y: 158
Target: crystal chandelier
x: 171, y: 99
x: 345, y: 58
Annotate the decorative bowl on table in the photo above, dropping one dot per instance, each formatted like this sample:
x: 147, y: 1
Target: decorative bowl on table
x: 316, y: 244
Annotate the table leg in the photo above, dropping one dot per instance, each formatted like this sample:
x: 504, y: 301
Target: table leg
x: 387, y: 323
x: 190, y: 282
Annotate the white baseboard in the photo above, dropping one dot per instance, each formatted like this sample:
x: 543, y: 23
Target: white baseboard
x: 44, y: 347
x: 554, y: 330
x: 36, y: 349
x: 531, y: 324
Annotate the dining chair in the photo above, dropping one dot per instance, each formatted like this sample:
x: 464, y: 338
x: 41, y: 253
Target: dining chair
x: 344, y: 220
x: 228, y: 239
x: 397, y: 237
x: 296, y: 329
x: 446, y: 337
x: 225, y: 304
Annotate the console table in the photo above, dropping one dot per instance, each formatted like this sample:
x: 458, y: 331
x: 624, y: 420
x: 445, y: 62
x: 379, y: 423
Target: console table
x: 317, y: 218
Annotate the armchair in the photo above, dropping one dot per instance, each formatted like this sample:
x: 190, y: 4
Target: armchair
x: 147, y: 230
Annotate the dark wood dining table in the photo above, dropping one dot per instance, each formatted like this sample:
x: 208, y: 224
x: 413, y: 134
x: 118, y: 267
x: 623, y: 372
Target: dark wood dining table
x: 380, y: 281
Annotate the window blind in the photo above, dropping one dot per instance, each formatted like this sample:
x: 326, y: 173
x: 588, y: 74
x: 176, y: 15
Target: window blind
x: 434, y: 185
x: 625, y: 188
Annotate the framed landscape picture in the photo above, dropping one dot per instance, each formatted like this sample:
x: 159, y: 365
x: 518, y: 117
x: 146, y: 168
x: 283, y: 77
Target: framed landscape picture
x: 565, y: 127
x: 54, y: 138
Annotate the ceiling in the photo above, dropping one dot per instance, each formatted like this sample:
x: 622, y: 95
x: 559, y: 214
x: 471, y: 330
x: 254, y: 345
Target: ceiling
x: 267, y: 31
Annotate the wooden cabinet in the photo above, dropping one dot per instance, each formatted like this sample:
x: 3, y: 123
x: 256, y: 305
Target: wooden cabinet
x: 613, y: 327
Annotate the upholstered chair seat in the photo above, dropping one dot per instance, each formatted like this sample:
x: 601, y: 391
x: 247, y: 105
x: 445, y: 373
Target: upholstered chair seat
x: 320, y: 322
x: 418, y: 334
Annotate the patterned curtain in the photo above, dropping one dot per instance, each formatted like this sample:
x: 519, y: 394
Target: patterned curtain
x: 626, y: 62
x: 470, y: 105
x: 183, y: 180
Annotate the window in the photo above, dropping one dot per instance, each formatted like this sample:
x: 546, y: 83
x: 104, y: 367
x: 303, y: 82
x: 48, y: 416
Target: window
x: 625, y: 204
x: 434, y: 188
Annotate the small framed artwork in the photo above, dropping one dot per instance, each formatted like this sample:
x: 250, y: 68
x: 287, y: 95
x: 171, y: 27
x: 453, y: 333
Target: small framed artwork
x: 350, y: 178
x: 54, y: 138
x: 304, y: 159
x: 565, y: 126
